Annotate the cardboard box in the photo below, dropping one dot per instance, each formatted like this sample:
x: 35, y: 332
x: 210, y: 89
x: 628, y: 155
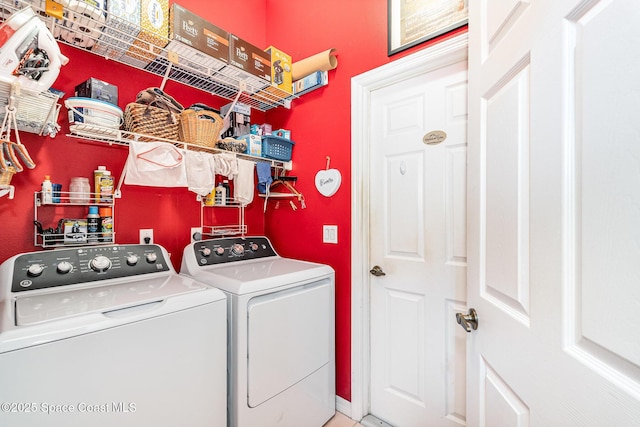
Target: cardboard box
x: 280, y: 69
x: 254, y: 144
x: 97, y: 89
x: 310, y: 82
x: 190, y: 29
x: 75, y: 231
x: 195, y: 44
x: 154, y: 33
x: 122, y: 28
x: 239, y: 124
x: 247, y: 63
x: 238, y: 107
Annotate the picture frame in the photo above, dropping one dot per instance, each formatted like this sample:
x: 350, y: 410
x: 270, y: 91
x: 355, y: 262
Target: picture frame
x: 411, y: 22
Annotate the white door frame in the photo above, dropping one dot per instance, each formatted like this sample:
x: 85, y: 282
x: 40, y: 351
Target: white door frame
x: 437, y: 56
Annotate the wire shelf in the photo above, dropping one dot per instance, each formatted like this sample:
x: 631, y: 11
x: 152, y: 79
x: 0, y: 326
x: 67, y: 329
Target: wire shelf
x: 122, y: 137
x: 112, y: 37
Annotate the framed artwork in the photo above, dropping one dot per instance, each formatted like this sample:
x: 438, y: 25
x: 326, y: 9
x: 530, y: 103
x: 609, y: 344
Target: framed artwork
x: 411, y: 22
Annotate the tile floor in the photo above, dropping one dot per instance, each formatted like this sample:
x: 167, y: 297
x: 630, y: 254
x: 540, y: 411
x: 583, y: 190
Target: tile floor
x: 341, y: 420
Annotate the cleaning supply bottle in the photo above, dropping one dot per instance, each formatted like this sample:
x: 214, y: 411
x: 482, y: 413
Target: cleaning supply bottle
x: 227, y: 189
x: 106, y: 224
x: 93, y: 224
x: 97, y: 174
x: 106, y: 187
x: 221, y: 195
x: 47, y: 190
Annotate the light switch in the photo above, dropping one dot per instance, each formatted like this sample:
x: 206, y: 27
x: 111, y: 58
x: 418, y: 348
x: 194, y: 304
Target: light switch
x: 330, y: 234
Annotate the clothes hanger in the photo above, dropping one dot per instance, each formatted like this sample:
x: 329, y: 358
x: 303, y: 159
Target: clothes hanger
x: 289, y: 191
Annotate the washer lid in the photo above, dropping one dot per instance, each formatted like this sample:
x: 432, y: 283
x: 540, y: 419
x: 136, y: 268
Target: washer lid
x: 257, y: 275
x: 57, y: 305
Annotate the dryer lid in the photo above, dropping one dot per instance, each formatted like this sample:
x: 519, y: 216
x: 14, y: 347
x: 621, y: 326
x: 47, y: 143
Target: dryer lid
x: 258, y: 275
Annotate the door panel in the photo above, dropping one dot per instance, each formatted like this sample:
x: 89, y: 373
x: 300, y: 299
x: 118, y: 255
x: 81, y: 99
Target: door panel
x: 506, y: 181
x: 606, y: 201
x: 553, y: 204
x: 500, y: 404
x: 418, y: 238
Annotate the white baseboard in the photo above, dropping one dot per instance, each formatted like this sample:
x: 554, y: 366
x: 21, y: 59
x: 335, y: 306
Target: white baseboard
x: 343, y: 406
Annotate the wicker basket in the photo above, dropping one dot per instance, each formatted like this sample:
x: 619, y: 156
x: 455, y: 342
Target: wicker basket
x: 149, y: 120
x: 200, y: 127
x: 5, y: 176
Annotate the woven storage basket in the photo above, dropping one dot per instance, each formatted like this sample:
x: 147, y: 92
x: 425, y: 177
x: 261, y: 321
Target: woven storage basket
x: 200, y: 127
x: 149, y: 120
x: 5, y: 176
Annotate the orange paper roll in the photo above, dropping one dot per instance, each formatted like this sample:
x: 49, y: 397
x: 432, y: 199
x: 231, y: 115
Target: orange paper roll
x: 323, y: 61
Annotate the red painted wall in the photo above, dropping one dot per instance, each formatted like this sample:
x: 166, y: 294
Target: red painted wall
x: 170, y: 212
x: 320, y: 123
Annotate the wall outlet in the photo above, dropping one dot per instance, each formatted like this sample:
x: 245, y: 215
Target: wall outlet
x: 330, y: 234
x: 146, y: 236
x: 196, y: 234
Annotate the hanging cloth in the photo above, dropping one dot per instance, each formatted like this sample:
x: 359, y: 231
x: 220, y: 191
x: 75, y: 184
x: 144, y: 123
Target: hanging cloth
x: 155, y: 164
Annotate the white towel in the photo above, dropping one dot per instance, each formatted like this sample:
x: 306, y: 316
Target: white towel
x: 225, y: 164
x: 155, y: 164
x: 244, y: 183
x: 200, y: 176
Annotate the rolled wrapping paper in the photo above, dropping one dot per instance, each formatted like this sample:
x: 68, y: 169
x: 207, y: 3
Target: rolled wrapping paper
x: 323, y: 61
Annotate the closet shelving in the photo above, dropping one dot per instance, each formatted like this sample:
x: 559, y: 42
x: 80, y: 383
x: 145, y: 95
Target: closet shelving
x: 36, y: 112
x: 122, y: 137
x: 238, y: 229
x: 67, y: 201
x: 226, y: 82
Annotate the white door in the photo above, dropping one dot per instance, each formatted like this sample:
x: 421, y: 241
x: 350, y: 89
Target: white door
x: 554, y: 213
x: 418, y: 239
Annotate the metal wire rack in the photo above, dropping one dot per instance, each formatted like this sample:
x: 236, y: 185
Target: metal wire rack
x: 112, y: 38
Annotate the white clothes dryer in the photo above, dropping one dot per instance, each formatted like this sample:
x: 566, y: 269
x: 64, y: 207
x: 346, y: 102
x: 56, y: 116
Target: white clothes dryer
x: 107, y: 336
x: 281, y: 353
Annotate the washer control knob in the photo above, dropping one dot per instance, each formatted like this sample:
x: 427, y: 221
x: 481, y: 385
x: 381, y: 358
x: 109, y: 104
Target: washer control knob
x: 237, y: 249
x: 254, y: 247
x: 100, y: 263
x: 35, y: 270
x: 205, y: 252
x: 132, y: 259
x: 151, y: 257
x: 64, y: 267
x: 219, y: 251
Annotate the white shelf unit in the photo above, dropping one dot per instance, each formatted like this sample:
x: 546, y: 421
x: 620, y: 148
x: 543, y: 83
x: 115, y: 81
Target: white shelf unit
x: 36, y: 112
x: 239, y: 229
x: 57, y: 239
x: 122, y: 138
x: 228, y: 82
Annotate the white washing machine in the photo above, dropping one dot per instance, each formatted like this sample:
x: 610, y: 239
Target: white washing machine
x: 109, y: 336
x: 281, y: 353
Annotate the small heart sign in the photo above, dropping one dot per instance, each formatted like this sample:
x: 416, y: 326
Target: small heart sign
x: 328, y: 181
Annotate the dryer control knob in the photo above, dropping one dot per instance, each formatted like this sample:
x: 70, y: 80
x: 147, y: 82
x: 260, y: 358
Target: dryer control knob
x: 253, y: 247
x: 205, y: 251
x: 151, y: 257
x: 237, y: 249
x: 219, y: 251
x: 35, y: 270
x: 132, y: 260
x: 64, y: 267
x: 100, y: 263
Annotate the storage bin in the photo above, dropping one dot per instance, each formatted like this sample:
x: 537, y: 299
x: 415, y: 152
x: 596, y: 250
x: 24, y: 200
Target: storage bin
x: 277, y: 148
x: 95, y: 112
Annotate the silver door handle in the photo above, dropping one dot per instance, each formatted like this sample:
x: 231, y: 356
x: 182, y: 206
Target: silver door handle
x: 468, y: 321
x: 377, y: 271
